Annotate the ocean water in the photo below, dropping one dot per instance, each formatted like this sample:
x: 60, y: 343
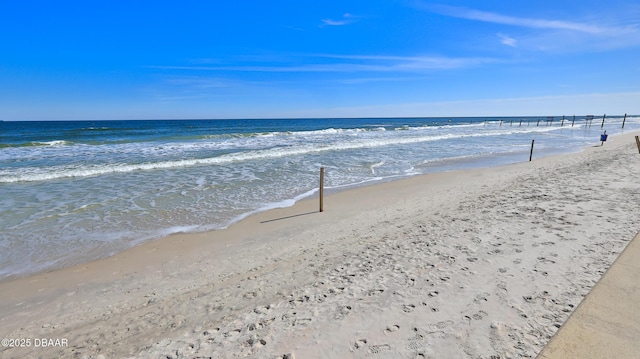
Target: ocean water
x: 75, y: 191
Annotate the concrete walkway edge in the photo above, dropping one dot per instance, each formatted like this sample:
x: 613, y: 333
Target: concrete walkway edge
x: 606, y: 324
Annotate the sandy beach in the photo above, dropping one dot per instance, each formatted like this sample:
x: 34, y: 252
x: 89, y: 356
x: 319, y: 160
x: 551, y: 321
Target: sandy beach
x: 483, y: 263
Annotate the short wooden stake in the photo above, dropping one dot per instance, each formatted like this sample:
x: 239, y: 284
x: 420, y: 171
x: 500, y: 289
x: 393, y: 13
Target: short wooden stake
x: 531, y: 153
x: 603, y: 117
x: 562, y: 124
x: 638, y: 143
x: 574, y: 120
x: 624, y: 119
x: 321, y: 188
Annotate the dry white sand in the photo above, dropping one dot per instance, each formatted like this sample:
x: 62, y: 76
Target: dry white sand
x: 471, y: 264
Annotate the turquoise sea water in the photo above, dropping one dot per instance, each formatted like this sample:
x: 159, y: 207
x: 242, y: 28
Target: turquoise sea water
x: 74, y: 191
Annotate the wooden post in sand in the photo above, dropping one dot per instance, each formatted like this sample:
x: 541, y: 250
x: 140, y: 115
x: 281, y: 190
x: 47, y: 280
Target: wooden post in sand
x: 603, y: 117
x: 562, y: 124
x: 638, y: 143
x: 321, y: 187
x: 624, y: 119
x: 574, y: 120
x: 531, y: 153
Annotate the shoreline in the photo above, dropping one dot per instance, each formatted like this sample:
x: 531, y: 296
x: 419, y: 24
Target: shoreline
x: 76, y: 238
x: 313, y: 196
x: 241, y: 275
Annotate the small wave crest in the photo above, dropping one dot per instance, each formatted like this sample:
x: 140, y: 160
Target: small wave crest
x: 37, y: 144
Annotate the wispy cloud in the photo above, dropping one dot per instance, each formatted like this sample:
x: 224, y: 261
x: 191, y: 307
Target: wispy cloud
x: 485, y: 16
x: 560, y: 35
x: 343, y: 63
x: 507, y: 40
x: 415, y: 63
x: 344, y: 20
x: 370, y: 80
x: 199, y: 82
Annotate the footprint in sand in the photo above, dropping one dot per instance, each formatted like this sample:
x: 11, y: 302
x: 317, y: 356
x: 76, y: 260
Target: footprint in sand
x: 232, y: 333
x: 373, y: 292
x: 392, y: 328
x: 482, y: 297
x: 545, y: 260
x: 210, y: 331
x: 408, y: 308
x: 263, y: 309
x: 342, y: 312
x: 415, y: 344
x: 441, y: 325
x: 377, y: 349
x: 360, y: 343
x: 301, y: 321
x: 479, y: 315
x: 256, y: 342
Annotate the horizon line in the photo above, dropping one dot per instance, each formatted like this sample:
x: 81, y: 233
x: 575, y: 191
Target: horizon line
x: 323, y: 118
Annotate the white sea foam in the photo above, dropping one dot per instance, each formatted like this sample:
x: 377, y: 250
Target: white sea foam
x: 297, y: 149
x: 51, y: 143
x: 374, y: 165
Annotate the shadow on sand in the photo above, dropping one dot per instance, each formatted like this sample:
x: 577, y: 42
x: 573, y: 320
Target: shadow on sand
x: 287, y: 217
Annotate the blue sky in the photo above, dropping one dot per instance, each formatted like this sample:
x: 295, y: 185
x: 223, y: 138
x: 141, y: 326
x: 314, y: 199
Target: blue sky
x: 255, y: 59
